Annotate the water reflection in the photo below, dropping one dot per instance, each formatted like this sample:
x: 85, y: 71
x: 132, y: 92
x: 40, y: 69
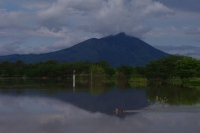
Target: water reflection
x: 175, y: 95
x: 105, y: 103
x: 50, y: 106
x: 48, y: 115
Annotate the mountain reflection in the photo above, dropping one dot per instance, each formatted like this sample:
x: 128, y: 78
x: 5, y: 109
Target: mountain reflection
x: 105, y: 103
x: 49, y: 115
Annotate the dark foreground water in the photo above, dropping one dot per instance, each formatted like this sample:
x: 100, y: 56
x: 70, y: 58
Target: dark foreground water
x: 51, y: 106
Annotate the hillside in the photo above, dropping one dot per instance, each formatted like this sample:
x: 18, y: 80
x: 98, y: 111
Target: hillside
x: 117, y: 50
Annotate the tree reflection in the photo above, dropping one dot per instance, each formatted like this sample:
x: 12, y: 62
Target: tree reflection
x: 98, y: 87
x: 175, y: 95
x: 53, y: 86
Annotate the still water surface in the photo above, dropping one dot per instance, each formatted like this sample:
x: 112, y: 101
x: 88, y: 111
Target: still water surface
x: 51, y: 106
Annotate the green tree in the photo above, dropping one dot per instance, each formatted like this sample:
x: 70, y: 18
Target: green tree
x: 109, y: 70
x: 7, y: 69
x: 32, y: 70
x: 97, y: 72
x: 128, y: 71
x: 20, y: 68
x: 141, y: 71
x: 187, y: 67
x: 49, y: 69
x: 162, y: 69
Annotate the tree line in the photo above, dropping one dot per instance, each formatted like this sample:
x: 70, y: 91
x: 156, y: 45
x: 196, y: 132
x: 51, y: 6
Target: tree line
x: 52, y: 68
x: 162, y: 69
x: 172, y: 67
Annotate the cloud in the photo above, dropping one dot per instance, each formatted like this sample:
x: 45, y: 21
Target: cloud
x: 9, y: 48
x: 191, y: 6
x: 192, y: 31
x: 73, y: 21
x: 104, y: 17
x: 12, y: 20
x: 15, y: 25
x: 43, y: 31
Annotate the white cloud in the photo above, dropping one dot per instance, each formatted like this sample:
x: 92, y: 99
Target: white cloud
x: 126, y: 16
x: 149, y: 8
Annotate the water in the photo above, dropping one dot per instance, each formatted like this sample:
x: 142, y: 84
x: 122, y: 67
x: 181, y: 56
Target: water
x: 51, y: 106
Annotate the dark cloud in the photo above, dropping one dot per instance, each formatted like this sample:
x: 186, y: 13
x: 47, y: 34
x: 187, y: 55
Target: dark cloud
x: 53, y: 23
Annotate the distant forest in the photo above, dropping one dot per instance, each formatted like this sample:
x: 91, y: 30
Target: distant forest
x: 163, y: 69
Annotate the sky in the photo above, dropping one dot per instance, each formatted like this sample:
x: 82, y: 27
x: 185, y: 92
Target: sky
x: 41, y: 26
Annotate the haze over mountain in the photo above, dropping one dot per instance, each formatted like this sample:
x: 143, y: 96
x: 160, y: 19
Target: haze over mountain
x: 186, y: 50
x: 119, y: 49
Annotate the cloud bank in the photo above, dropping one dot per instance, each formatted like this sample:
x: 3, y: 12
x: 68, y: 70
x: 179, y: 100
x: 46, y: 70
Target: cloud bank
x: 103, y: 17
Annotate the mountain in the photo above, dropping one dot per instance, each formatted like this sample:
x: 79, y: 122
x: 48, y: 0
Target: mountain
x: 117, y: 50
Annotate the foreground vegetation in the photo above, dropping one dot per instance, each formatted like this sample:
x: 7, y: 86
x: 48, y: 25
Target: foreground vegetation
x: 173, y: 69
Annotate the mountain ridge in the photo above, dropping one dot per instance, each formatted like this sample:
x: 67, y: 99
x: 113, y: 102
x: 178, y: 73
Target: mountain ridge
x: 119, y: 49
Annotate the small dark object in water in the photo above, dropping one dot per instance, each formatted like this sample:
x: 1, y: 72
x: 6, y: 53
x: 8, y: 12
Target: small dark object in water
x: 119, y: 111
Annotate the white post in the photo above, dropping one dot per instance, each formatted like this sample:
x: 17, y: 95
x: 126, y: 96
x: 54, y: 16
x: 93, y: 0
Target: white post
x: 91, y: 79
x: 74, y: 80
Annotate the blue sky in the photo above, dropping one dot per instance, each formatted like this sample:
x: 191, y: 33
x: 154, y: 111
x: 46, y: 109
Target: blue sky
x: 41, y: 26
